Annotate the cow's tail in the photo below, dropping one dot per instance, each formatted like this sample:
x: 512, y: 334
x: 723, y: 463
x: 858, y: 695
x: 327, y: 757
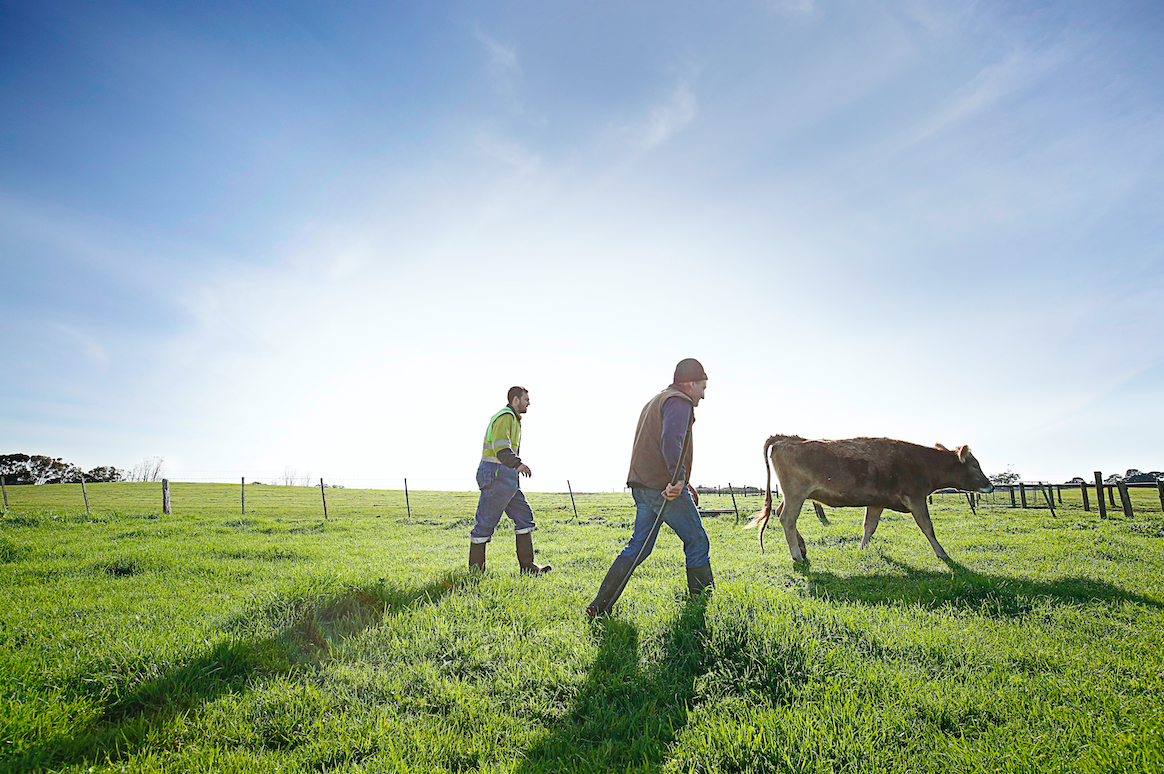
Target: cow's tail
x: 760, y: 518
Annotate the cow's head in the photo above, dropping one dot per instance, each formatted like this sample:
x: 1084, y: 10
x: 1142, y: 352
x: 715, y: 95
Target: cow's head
x: 973, y: 477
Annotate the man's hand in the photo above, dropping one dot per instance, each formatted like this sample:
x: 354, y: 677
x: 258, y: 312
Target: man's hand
x: 673, y: 490
x: 694, y: 494
x: 524, y: 470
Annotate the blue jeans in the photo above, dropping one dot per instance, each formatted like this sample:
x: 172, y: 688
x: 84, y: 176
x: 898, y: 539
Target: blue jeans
x: 500, y: 493
x: 681, y: 515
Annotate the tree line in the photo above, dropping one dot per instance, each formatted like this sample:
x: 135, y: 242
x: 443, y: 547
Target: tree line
x: 37, y: 469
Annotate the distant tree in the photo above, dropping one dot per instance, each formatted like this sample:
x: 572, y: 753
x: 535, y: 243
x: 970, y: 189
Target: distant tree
x: 149, y: 469
x: 105, y: 475
x: 1077, y: 480
x: 1008, y: 476
x: 37, y: 469
x: 291, y: 477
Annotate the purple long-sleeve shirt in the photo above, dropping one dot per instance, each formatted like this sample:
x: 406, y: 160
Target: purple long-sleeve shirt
x: 676, y: 417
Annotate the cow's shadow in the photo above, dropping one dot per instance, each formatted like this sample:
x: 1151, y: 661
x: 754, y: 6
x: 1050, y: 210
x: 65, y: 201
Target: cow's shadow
x: 996, y: 595
x: 303, y: 636
x: 627, y: 715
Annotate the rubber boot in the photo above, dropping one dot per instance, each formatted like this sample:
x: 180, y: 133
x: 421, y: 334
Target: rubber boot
x: 477, y: 556
x: 612, y: 586
x: 525, y: 555
x: 699, y: 579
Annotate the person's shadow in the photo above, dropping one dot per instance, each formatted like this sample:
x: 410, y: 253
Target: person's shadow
x: 996, y: 595
x: 304, y: 630
x: 626, y: 714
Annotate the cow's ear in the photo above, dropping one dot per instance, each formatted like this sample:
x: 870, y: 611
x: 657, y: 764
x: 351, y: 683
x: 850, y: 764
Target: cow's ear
x: 940, y: 446
x: 963, y: 453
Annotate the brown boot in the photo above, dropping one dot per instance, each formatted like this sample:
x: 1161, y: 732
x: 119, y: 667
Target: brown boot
x: 525, y: 556
x: 477, y: 556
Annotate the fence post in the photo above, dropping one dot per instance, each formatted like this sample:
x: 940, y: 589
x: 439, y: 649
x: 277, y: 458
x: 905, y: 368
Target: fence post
x: 5, y: 488
x: 1049, y: 496
x: 734, y: 507
x: 1111, y: 496
x: 1099, y: 494
x: 570, y: 489
x: 1126, y: 500
x: 323, y: 494
x: 1159, y: 491
x: 1011, y: 490
x: 85, y: 495
x: 1059, y: 493
x: 1023, y: 493
x: 244, y: 495
x: 1083, y: 489
x: 407, y: 505
x: 166, y: 496
x: 970, y: 499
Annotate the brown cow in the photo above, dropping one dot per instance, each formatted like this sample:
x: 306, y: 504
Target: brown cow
x: 877, y: 473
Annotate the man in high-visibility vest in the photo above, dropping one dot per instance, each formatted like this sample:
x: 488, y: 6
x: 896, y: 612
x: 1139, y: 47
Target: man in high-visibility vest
x: 497, y: 477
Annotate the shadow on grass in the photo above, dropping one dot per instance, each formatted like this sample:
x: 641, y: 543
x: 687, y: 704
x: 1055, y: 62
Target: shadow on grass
x: 627, y: 716
x: 303, y: 630
x: 996, y: 595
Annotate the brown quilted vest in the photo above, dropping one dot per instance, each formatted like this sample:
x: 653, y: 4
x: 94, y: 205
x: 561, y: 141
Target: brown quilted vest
x: 647, y: 467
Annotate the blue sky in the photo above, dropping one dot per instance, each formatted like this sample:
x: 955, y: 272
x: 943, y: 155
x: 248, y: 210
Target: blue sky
x: 252, y: 237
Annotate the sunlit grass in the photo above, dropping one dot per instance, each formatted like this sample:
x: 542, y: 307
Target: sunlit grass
x: 276, y: 640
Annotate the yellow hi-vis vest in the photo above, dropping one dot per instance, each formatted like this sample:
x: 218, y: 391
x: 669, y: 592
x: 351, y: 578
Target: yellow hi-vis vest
x: 504, y: 434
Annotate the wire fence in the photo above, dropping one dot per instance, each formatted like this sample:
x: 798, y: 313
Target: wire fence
x: 1114, y: 500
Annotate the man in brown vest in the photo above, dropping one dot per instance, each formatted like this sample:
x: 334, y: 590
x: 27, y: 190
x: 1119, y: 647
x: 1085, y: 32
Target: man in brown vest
x: 659, y: 478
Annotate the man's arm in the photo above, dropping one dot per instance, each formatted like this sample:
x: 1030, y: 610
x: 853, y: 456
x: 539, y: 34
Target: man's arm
x: 676, y: 419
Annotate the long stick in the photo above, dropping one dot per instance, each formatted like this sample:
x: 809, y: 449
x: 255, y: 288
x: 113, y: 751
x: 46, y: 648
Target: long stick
x: 323, y: 494
x: 654, y: 533
x: 572, y: 499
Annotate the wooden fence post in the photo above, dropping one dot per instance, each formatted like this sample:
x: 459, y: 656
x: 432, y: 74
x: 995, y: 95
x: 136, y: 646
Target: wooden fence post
x: 1083, y: 490
x: 1049, y: 496
x: 1011, y: 490
x: 734, y: 507
x: 5, y: 488
x: 244, y: 495
x: 1099, y: 494
x: 166, y: 496
x: 1023, y: 493
x: 1159, y: 491
x: 85, y: 495
x: 970, y: 499
x: 570, y: 489
x: 1059, y: 493
x: 407, y: 504
x: 1125, y: 500
x: 323, y: 494
x: 1111, y: 496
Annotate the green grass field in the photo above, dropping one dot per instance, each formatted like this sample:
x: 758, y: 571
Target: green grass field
x: 272, y: 641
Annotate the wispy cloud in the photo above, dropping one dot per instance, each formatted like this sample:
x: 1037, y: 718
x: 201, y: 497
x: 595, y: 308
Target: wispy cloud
x: 503, y: 64
x: 989, y: 87
x: 664, y: 119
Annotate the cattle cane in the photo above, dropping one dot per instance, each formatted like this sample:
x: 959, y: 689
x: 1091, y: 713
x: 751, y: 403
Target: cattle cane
x: 654, y: 533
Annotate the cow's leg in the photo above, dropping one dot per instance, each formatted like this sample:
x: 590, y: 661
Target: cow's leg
x: 789, y: 513
x: 921, y: 514
x: 872, y: 519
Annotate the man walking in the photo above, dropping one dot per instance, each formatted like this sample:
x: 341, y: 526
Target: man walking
x: 659, y: 478
x: 497, y: 477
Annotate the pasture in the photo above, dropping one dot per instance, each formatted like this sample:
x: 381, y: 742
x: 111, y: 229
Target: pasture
x: 279, y: 641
